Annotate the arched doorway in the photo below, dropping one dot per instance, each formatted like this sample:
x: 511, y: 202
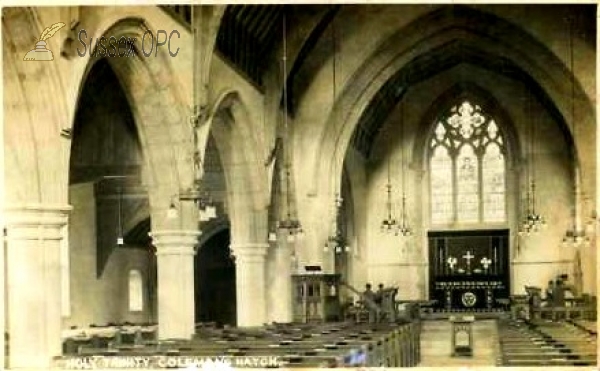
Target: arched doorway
x: 215, y: 281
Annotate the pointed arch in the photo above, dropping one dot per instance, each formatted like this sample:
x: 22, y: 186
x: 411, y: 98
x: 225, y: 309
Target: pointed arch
x: 245, y: 173
x: 431, y: 44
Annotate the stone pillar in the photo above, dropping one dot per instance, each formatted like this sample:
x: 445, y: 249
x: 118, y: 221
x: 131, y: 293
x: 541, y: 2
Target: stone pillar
x: 280, y: 293
x: 175, y: 250
x: 33, y: 241
x: 250, y: 283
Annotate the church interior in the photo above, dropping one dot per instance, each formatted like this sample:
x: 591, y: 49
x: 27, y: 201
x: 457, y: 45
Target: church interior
x: 333, y: 185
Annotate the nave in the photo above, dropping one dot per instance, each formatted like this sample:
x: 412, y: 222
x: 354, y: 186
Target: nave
x: 286, y: 157
x: 406, y: 343
x: 377, y: 330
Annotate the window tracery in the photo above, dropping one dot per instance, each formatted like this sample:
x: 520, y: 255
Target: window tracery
x: 467, y: 168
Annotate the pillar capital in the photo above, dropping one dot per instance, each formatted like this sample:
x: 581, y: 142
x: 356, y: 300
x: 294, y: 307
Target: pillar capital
x: 36, y: 221
x: 250, y: 251
x: 34, y: 238
x: 175, y: 242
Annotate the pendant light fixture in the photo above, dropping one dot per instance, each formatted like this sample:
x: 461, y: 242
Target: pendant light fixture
x: 532, y: 221
x: 120, y: 239
x: 336, y: 242
x: 575, y: 236
x: 404, y: 228
x: 197, y: 192
x: 389, y: 224
x: 291, y: 226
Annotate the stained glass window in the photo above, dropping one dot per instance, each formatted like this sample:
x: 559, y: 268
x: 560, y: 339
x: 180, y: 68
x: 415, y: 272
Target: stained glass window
x: 467, y: 167
x: 493, y: 184
x: 467, y: 198
x: 441, y: 185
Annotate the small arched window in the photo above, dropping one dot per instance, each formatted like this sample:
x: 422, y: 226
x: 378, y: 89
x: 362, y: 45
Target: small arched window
x: 136, y: 293
x: 467, y: 168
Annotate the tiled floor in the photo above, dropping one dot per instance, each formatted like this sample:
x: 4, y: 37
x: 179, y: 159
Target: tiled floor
x: 436, y: 344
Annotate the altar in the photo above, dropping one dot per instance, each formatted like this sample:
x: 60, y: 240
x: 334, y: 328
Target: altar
x: 468, y: 269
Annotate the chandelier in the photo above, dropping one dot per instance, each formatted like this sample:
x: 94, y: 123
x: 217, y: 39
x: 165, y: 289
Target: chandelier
x: 403, y: 227
x: 389, y: 224
x: 337, y: 242
x: 575, y: 236
x: 290, y: 226
x: 532, y: 221
x: 198, y: 191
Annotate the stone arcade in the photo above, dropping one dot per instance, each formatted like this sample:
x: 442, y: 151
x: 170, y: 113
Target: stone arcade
x: 156, y: 198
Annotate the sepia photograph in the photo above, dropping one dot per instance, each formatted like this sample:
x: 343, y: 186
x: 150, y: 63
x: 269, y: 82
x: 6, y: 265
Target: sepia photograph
x: 323, y: 185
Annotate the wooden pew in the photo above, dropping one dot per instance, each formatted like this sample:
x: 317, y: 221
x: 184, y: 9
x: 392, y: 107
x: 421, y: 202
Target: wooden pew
x: 541, y: 343
x: 373, y: 345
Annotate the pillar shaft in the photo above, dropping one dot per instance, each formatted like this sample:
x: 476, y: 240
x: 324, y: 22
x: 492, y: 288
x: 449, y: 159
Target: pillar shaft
x: 175, y: 252
x: 250, y: 284
x: 280, y: 280
x: 33, y: 241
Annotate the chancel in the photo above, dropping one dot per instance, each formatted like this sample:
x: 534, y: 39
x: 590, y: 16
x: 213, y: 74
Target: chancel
x: 233, y: 200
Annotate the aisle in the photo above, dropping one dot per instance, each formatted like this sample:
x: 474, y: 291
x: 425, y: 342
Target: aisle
x: 436, y: 343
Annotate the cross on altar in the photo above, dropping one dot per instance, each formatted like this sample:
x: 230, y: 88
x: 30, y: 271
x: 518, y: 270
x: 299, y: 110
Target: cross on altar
x: 468, y: 257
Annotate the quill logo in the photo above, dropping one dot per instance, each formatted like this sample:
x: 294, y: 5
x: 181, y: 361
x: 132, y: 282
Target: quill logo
x: 40, y: 53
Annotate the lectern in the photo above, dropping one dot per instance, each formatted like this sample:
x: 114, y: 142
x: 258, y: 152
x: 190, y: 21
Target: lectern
x: 462, y: 335
x: 316, y: 297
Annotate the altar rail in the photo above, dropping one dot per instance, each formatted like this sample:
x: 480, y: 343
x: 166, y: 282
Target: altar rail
x: 587, y: 312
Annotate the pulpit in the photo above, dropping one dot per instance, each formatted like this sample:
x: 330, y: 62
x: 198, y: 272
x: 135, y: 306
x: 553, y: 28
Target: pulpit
x: 316, y: 297
x: 468, y: 269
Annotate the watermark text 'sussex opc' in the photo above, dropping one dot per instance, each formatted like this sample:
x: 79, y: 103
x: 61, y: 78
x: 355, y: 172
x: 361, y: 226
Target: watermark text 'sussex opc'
x: 126, y: 46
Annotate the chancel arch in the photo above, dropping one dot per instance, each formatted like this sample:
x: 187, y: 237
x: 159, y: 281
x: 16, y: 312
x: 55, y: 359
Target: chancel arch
x: 442, y: 47
x: 415, y: 145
